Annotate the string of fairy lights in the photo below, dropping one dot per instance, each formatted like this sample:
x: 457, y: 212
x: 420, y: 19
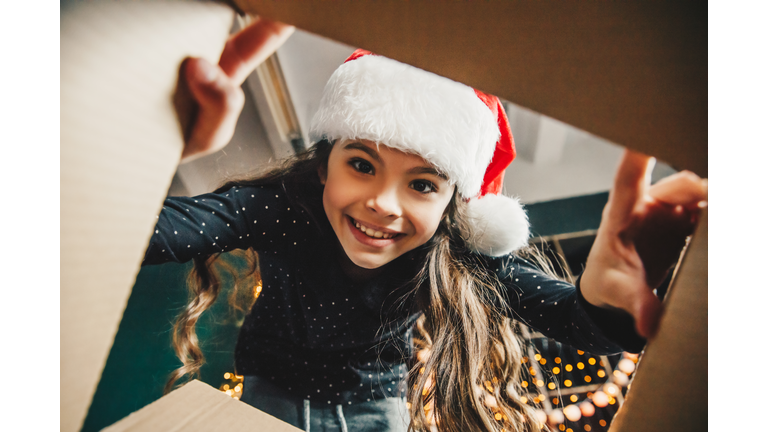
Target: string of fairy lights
x: 570, y: 389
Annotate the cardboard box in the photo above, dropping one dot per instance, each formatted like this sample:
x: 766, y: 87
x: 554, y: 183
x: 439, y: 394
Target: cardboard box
x: 198, y: 407
x: 633, y: 73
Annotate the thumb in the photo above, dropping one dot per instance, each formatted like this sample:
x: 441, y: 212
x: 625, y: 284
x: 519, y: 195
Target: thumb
x: 646, y: 309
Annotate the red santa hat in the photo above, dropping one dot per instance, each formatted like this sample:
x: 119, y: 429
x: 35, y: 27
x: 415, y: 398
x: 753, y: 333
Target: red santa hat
x: 463, y: 132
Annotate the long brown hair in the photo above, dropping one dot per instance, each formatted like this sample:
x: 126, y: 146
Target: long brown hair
x: 471, y: 378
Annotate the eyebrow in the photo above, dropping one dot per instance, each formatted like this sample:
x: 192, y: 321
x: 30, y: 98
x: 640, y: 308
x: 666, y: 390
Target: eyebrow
x: 427, y: 170
x: 364, y: 148
x: 375, y: 155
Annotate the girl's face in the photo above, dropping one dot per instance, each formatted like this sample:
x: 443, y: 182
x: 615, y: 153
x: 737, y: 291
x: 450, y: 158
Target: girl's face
x: 381, y: 202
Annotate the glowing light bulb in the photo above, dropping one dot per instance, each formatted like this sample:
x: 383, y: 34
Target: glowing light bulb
x: 537, y: 357
x: 580, y: 365
x: 572, y: 413
x: 588, y: 378
x: 541, y: 416
x: 600, y: 399
x: 587, y: 409
x: 557, y: 360
x: 592, y: 360
x: 551, y: 386
x: 227, y: 375
x: 580, y: 352
x: 555, y: 370
x: 626, y: 365
x: 601, y: 373
x: 556, y: 416
x: 543, y: 361
x: 621, y: 379
x: 567, y: 383
x: 574, y: 398
x: 568, y: 368
x: 611, y: 389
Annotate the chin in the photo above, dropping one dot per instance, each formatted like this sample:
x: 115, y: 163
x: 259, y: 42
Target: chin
x: 367, y: 262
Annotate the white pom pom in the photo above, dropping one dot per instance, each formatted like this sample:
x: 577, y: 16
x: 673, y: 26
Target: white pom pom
x: 499, y: 225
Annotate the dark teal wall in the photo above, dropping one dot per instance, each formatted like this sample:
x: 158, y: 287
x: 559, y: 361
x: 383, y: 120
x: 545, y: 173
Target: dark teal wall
x: 566, y: 215
x: 141, y: 357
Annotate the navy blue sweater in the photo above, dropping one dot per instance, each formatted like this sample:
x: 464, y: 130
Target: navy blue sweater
x: 327, y: 338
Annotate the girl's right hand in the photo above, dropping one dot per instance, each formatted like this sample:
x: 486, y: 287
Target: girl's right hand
x: 216, y: 88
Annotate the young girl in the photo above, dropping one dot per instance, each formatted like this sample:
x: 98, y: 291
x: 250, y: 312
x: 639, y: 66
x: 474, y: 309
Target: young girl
x: 393, y: 223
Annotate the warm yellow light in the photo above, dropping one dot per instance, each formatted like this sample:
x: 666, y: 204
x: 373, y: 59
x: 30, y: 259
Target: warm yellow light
x: 612, y: 401
x: 229, y: 392
x: 567, y: 383
x: 537, y: 357
x: 421, y: 371
x: 497, y: 416
x: 543, y: 361
x: 408, y: 405
x: 603, y: 423
x: 226, y: 387
x: 540, y: 383
x: 592, y: 360
x: 574, y: 398
x: 587, y: 428
x: 554, y: 401
x: 524, y: 399
x: 532, y: 371
x: 568, y: 368
x: 569, y: 430
x: 488, y: 386
x: 580, y: 365
x: 588, y: 378
x: 238, y: 387
x: 580, y: 352
x: 601, y: 373
x: 227, y: 375
x: 555, y: 370
x: 557, y: 360
x: 551, y: 386
x: 524, y: 384
x: 257, y: 290
x: 495, y: 380
x: 626, y: 365
x: 561, y: 427
x: 611, y: 389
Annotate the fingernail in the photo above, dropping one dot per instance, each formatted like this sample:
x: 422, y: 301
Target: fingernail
x: 207, y: 73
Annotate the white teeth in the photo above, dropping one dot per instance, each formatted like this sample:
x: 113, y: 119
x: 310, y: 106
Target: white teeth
x: 372, y: 233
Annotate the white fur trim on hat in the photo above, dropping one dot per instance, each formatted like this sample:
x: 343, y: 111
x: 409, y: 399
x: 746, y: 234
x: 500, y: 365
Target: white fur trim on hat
x: 499, y: 225
x: 409, y: 109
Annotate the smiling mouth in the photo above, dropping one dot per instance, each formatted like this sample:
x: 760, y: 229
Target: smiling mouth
x: 373, y: 233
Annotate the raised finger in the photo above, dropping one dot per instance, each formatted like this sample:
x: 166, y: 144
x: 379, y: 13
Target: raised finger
x: 630, y: 184
x: 251, y: 46
x: 683, y: 188
x: 219, y: 103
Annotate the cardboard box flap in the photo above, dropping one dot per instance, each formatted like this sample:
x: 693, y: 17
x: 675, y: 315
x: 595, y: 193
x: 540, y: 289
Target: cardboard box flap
x: 198, y: 407
x: 120, y: 145
x: 633, y: 73
x: 669, y: 391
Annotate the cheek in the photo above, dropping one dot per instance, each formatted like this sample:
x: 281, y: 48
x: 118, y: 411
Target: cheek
x: 426, y: 224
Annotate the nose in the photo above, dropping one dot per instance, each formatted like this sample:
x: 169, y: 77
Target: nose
x: 384, y: 201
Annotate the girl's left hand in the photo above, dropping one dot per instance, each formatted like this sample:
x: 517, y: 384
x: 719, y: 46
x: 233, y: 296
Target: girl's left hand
x: 642, y: 232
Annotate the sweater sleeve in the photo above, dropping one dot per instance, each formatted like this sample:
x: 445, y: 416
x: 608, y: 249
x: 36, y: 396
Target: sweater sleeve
x: 260, y: 217
x: 559, y: 311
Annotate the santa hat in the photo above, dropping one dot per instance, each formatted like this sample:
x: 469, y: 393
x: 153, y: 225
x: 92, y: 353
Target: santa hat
x: 463, y: 132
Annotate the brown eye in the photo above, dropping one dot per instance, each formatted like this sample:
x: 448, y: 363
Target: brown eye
x: 362, y: 166
x: 423, y: 186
